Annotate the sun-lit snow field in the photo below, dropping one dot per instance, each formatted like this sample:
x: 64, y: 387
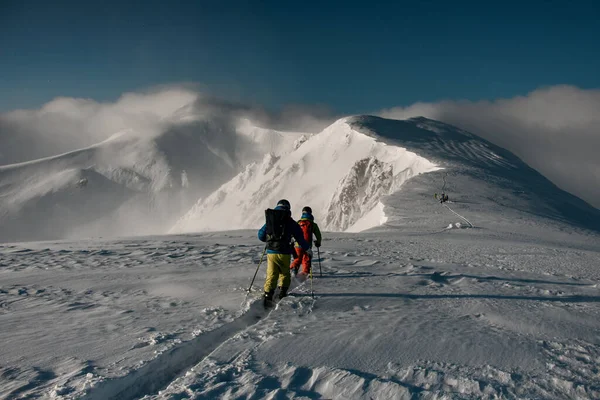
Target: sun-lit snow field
x: 488, y: 312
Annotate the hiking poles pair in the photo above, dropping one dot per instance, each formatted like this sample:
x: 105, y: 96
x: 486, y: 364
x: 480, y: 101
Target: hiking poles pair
x: 260, y: 262
x: 255, y: 272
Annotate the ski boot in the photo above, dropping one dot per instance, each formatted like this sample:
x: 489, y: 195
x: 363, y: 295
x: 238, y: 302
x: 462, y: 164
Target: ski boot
x: 283, y: 291
x: 268, y: 299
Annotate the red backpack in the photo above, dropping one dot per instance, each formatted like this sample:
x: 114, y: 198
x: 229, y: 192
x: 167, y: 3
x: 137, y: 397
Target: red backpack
x: 307, y: 229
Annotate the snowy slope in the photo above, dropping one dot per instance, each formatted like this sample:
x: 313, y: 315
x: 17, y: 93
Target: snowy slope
x: 340, y: 173
x: 461, y: 314
x: 347, y: 173
x: 132, y: 183
x: 477, y: 175
x: 266, y: 141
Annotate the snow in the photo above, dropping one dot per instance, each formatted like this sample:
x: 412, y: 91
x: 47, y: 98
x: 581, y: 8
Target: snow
x: 341, y: 173
x: 373, y: 218
x: 464, y: 313
x: 345, y: 171
x: 269, y: 140
x: 138, y: 182
x: 419, y: 305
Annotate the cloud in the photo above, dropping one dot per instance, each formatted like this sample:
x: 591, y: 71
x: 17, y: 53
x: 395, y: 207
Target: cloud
x: 66, y: 124
x: 555, y: 130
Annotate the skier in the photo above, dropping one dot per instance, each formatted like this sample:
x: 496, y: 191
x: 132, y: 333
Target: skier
x: 278, y: 232
x: 309, y: 227
x: 443, y: 198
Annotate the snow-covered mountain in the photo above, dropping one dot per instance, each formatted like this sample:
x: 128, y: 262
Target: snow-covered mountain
x: 477, y: 175
x: 355, y: 168
x: 340, y: 173
x: 132, y: 183
x: 207, y: 174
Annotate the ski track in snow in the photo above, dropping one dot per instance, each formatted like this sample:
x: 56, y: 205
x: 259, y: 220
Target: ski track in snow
x: 160, y: 318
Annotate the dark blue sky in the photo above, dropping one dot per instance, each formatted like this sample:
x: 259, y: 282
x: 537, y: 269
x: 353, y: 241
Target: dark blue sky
x: 351, y: 56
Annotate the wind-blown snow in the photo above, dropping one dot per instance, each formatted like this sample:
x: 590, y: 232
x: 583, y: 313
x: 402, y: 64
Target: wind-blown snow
x: 269, y: 141
x: 554, y: 129
x: 132, y: 183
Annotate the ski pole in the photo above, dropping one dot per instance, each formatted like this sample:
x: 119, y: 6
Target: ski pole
x: 256, y: 272
x: 320, y: 269
x: 312, y: 292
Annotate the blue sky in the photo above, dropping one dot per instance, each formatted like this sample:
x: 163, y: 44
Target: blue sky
x: 351, y: 56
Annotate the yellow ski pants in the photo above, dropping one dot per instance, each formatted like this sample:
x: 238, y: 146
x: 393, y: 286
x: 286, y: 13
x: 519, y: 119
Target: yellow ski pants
x: 278, y: 269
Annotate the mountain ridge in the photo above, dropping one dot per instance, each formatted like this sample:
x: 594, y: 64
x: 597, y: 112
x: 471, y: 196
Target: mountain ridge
x: 517, y: 184
x: 367, y: 180
x: 217, y: 175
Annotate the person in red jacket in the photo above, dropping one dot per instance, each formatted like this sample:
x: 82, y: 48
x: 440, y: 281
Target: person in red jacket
x: 309, y: 228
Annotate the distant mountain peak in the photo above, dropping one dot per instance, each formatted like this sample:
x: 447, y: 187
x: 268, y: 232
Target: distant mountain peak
x: 341, y: 173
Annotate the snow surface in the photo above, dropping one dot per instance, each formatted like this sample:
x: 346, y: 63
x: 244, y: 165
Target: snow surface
x: 373, y: 218
x: 463, y: 313
x: 341, y: 173
x: 423, y: 306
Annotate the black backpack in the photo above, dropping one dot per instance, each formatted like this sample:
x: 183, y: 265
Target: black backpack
x: 277, y: 221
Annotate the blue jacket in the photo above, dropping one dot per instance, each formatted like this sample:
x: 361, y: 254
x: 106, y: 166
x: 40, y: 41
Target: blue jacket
x: 293, y: 230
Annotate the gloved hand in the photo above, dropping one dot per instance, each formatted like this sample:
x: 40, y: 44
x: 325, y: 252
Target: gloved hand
x: 317, y: 244
x: 309, y: 252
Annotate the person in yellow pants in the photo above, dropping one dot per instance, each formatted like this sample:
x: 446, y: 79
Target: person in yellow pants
x: 276, y: 272
x: 278, y: 232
